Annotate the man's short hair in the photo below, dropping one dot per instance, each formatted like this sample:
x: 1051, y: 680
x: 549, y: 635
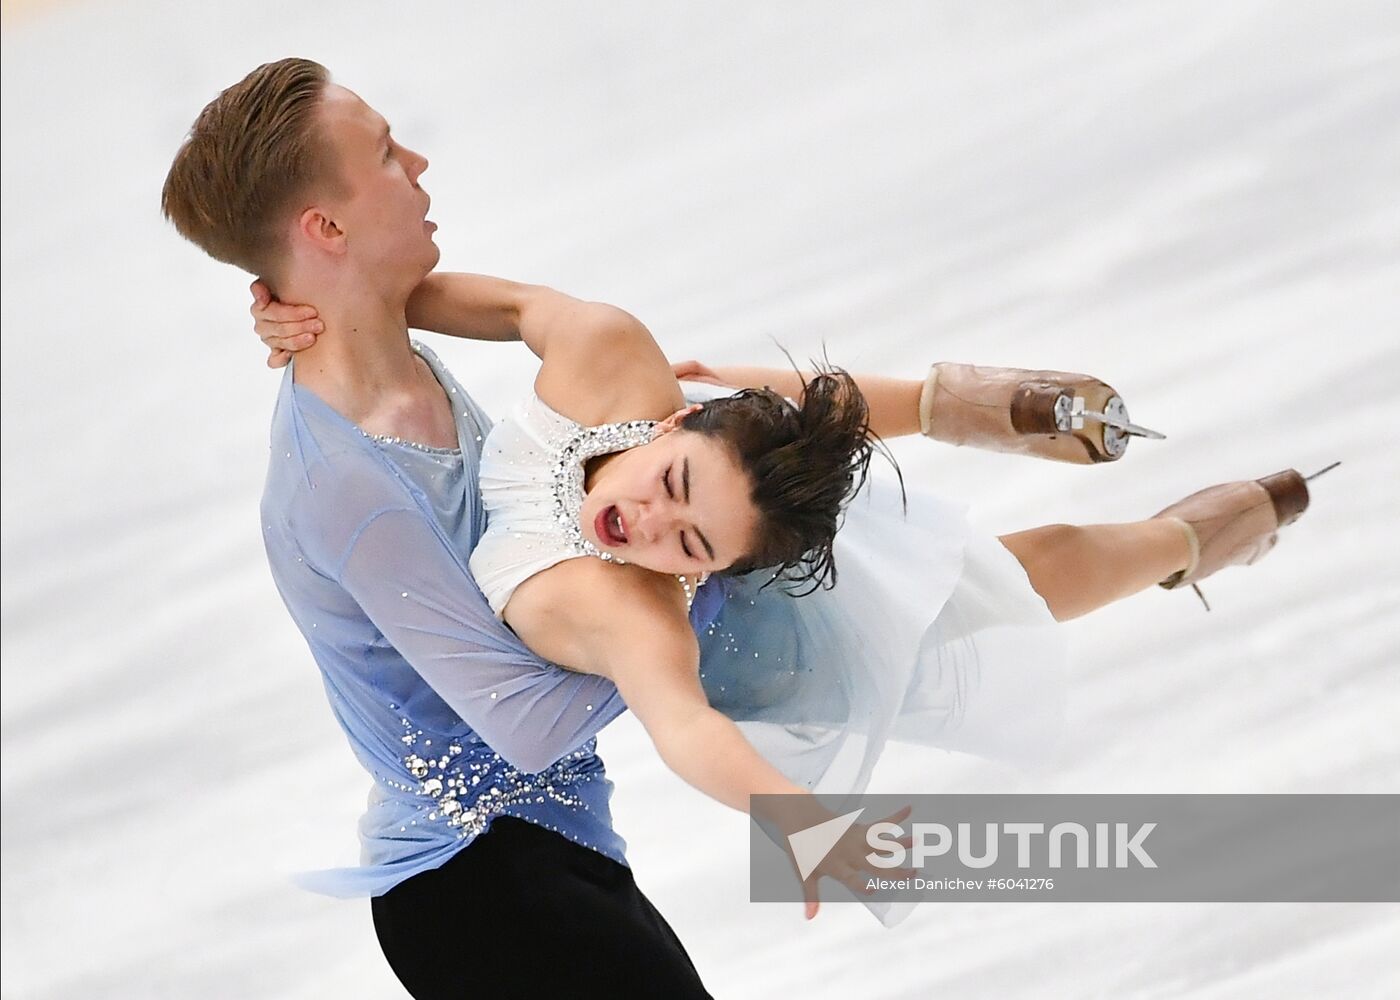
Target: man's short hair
x: 253, y: 152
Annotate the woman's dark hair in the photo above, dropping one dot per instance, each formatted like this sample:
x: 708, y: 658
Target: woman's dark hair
x: 804, y: 464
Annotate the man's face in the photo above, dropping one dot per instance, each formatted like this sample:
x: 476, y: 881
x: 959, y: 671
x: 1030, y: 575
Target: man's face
x: 383, y: 213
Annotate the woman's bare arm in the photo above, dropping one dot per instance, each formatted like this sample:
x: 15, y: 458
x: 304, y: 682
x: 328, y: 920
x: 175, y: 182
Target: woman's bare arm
x: 630, y: 625
x: 893, y: 402
x: 642, y: 641
x: 457, y: 304
x: 480, y: 307
x: 658, y: 678
x: 471, y: 306
x: 595, y: 358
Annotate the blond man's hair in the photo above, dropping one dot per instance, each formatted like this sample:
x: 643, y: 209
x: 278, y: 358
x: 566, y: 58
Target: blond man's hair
x: 253, y: 154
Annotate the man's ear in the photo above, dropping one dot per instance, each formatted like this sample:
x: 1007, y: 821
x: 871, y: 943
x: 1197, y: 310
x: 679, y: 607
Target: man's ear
x: 320, y: 231
x: 674, y: 420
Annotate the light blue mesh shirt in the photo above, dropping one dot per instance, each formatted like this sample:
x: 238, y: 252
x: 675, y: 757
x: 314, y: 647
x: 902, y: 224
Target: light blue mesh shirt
x: 453, y: 717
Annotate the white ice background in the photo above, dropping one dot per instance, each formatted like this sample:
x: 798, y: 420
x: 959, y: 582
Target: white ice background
x: 1199, y: 202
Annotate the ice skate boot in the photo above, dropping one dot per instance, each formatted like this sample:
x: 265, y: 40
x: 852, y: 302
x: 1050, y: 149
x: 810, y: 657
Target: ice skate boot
x: 1236, y: 523
x: 1062, y: 416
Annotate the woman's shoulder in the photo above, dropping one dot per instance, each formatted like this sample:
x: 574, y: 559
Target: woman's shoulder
x: 570, y: 611
x: 610, y: 399
x: 609, y: 373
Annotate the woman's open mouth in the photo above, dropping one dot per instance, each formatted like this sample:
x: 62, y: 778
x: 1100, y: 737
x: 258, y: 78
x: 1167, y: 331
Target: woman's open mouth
x: 609, y: 527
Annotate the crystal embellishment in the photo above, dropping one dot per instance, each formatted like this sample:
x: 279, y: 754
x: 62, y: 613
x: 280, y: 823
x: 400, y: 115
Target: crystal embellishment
x: 586, y: 443
x: 570, y: 458
x: 465, y: 789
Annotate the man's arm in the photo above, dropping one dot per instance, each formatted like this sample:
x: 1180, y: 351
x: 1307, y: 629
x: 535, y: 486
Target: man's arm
x: 395, y: 565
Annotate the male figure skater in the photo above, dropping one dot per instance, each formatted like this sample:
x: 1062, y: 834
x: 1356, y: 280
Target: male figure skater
x: 488, y: 845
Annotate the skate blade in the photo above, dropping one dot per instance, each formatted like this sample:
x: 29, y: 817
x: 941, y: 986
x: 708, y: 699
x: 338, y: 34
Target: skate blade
x: 1126, y: 426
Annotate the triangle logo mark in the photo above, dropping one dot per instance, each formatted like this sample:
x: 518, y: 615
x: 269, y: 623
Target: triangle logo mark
x: 813, y: 844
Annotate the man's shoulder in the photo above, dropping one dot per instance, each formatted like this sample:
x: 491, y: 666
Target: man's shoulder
x: 325, y: 481
x: 310, y: 443
x: 449, y: 381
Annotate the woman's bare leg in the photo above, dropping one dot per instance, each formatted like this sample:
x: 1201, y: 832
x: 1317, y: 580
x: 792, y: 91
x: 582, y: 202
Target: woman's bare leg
x: 1080, y: 568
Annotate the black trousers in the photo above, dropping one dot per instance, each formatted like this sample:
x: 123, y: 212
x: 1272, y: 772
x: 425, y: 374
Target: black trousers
x: 523, y: 911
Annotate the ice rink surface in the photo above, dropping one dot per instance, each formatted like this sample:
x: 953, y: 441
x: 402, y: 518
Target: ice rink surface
x: 1198, y: 202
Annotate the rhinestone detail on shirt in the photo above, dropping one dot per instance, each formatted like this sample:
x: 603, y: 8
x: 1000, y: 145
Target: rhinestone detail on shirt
x: 467, y: 790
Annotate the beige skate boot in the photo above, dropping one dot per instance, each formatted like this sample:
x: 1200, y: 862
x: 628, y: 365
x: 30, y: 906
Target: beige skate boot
x: 1061, y: 416
x: 1236, y: 523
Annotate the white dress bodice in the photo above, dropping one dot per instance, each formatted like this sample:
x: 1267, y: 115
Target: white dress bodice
x: 532, y: 471
x: 932, y: 635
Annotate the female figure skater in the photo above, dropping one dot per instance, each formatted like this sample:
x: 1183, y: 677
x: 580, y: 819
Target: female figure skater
x: 633, y: 527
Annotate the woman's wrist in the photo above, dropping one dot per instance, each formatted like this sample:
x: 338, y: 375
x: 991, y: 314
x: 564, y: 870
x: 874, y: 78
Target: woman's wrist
x: 790, y: 812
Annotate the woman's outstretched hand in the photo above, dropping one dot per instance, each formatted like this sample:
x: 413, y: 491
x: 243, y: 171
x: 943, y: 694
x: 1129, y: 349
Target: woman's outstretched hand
x: 284, y: 329
x: 847, y: 862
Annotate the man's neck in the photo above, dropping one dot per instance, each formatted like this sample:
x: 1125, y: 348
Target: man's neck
x: 363, y: 366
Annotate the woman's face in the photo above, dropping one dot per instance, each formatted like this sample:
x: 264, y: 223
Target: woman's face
x: 680, y: 504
